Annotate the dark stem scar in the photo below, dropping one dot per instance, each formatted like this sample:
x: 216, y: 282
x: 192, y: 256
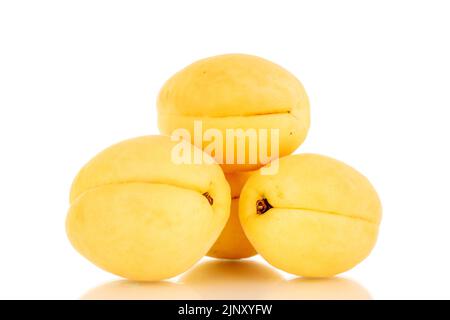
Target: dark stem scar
x: 208, y: 196
x: 262, y: 206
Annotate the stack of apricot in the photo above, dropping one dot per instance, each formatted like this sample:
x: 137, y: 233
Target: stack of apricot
x: 139, y: 212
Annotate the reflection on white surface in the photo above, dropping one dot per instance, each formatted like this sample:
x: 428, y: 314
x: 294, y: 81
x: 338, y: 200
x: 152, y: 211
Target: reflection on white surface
x: 130, y: 290
x: 320, y: 289
x: 224, y: 279
x: 218, y: 279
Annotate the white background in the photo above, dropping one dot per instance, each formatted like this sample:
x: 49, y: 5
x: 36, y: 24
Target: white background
x: 78, y: 76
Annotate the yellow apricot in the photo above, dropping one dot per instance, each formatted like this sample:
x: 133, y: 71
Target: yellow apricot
x: 316, y: 217
x: 232, y: 242
x: 137, y: 214
x: 237, y: 91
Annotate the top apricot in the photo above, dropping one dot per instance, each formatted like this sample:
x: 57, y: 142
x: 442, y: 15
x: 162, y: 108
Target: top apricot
x: 237, y: 91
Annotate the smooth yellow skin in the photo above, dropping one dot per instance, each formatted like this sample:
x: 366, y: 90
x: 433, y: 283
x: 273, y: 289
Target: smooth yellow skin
x: 324, y: 219
x: 236, y: 91
x: 232, y: 242
x: 138, y: 215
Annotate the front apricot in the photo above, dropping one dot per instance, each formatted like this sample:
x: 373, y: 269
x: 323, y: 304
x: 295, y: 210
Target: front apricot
x: 137, y: 214
x: 316, y: 217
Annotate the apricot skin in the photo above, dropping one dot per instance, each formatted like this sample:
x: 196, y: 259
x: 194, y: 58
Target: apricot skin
x: 232, y: 242
x: 138, y: 215
x: 236, y: 91
x: 324, y: 218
